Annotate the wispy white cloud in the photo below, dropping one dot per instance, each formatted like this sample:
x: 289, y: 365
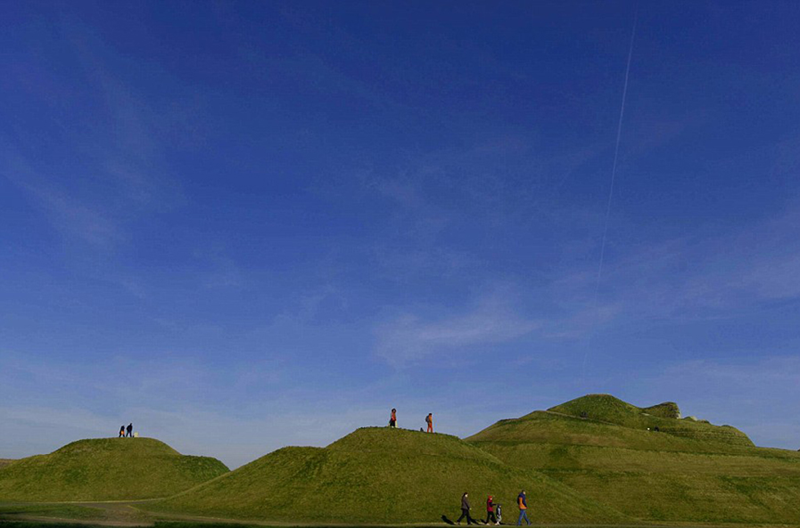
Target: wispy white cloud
x: 582, y: 322
x: 94, y: 181
x: 708, y: 274
x: 406, y: 264
x: 409, y: 338
x: 402, y: 192
x: 752, y: 375
x: 116, y: 380
x: 69, y: 215
x: 221, y: 271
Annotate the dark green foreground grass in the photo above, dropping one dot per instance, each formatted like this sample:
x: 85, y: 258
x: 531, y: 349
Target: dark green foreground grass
x: 93, y: 513
x: 101, y: 515
x: 59, y: 511
x: 179, y: 524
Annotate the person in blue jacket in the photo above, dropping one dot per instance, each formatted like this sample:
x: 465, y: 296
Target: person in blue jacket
x: 523, y: 508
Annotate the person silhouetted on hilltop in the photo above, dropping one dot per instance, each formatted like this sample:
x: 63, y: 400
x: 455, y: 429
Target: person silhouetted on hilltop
x: 429, y: 421
x: 122, y: 431
x: 523, y: 508
x: 490, y: 516
x: 393, y: 418
x: 465, y: 510
x: 130, y: 430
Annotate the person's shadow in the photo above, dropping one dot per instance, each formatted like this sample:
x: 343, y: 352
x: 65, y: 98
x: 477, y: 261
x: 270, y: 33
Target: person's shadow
x: 445, y: 519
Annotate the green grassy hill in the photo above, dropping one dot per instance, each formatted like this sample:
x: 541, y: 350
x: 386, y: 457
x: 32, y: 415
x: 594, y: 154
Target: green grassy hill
x: 662, y: 418
x: 4, y: 462
x: 688, y: 471
x: 105, y: 469
x: 381, y: 475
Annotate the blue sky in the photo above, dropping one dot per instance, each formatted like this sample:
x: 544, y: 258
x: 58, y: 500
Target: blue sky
x: 247, y: 225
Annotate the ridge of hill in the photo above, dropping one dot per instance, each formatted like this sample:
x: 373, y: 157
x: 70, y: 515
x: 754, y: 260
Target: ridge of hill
x: 687, y: 471
x: 381, y: 475
x: 5, y: 461
x: 105, y: 469
x: 663, y: 418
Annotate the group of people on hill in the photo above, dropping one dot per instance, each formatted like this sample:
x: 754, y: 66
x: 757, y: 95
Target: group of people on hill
x: 494, y: 512
x: 123, y: 429
x: 428, y: 420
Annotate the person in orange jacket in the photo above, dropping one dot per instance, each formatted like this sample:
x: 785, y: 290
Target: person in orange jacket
x: 393, y: 418
x: 429, y: 421
x: 523, y: 508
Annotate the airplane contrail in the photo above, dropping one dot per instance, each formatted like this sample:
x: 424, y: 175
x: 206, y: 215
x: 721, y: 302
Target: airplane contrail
x: 613, y: 177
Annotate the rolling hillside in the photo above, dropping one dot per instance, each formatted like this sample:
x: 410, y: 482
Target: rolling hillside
x: 593, y: 460
x: 686, y: 471
x: 105, y: 469
x: 381, y: 475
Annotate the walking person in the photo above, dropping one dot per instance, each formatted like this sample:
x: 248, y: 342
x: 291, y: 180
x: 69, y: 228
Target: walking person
x: 465, y: 510
x: 393, y: 418
x: 429, y: 421
x: 523, y: 508
x: 130, y: 430
x: 122, y: 431
x: 490, y: 516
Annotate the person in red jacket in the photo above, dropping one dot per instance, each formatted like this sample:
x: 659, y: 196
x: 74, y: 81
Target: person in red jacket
x: 429, y: 420
x: 393, y: 418
x: 490, y: 516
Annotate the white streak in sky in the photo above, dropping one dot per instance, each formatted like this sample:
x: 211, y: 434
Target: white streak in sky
x: 613, y: 177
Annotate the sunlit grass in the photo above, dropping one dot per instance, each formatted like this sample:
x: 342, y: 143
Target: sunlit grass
x: 105, y: 469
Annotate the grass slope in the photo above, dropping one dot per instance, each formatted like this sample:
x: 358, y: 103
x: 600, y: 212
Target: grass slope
x: 105, y: 469
x: 607, y: 408
x: 381, y: 475
x: 689, y: 472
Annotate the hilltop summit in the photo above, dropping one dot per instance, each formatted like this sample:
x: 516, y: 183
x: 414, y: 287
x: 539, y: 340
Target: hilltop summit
x: 105, y: 469
x: 664, y: 418
x: 606, y: 407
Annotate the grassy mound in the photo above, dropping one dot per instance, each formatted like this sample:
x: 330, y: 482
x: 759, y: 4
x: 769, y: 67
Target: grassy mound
x: 696, y: 472
x: 545, y: 427
x: 662, y: 417
x: 105, y: 469
x: 381, y: 475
